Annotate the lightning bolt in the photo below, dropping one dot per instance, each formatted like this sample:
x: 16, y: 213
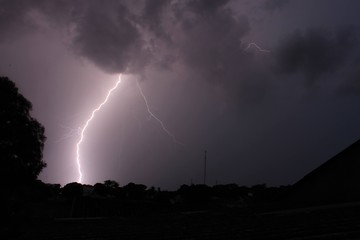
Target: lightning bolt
x: 83, y: 129
x: 154, y: 116
x: 256, y: 46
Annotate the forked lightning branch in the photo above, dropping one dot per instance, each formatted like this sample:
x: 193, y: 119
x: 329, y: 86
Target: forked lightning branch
x: 86, y: 125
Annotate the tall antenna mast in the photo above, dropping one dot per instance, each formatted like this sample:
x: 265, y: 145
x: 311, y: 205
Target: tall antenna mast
x: 205, y: 168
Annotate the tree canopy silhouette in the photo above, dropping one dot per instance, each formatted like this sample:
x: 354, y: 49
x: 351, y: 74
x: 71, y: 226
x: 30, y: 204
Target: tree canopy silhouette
x: 21, y: 137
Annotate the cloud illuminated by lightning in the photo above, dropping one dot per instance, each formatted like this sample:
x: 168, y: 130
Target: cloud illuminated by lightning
x: 83, y: 129
x: 71, y: 132
x: 256, y: 46
x: 155, y: 117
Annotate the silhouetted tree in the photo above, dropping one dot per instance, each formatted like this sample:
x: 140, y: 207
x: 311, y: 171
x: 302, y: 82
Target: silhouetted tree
x: 101, y: 189
x: 21, y: 137
x: 53, y: 190
x: 135, y: 191
x: 72, y: 190
x: 111, y: 184
x: 112, y: 187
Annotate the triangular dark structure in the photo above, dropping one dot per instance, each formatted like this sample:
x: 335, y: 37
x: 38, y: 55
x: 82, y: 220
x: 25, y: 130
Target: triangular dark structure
x: 337, y: 180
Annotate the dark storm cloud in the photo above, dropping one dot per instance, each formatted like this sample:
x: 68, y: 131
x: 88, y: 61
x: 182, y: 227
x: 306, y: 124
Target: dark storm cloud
x: 103, y: 32
x: 151, y: 15
x: 273, y: 5
x: 350, y: 85
x: 316, y: 52
x: 206, y: 6
x: 14, y: 19
x: 113, y: 37
x: 19, y: 17
x: 107, y: 36
x: 62, y: 12
x: 205, y: 36
x: 212, y: 44
x: 213, y: 50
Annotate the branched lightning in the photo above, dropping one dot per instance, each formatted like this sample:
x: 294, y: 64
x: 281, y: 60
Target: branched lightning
x: 257, y: 46
x: 155, y: 117
x: 83, y: 129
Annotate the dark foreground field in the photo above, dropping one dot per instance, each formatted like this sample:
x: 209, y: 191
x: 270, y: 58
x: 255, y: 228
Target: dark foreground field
x: 341, y: 221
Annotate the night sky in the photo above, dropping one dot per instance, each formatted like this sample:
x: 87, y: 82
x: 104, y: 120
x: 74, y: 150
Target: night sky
x: 265, y: 115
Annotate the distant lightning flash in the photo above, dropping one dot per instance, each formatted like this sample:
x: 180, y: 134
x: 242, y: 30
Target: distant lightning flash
x: 257, y: 46
x: 155, y: 117
x: 70, y: 133
x: 83, y: 129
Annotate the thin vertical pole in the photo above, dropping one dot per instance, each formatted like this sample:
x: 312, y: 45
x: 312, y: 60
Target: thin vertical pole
x: 205, y: 168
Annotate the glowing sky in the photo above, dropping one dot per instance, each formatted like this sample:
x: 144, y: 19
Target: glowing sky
x: 263, y: 116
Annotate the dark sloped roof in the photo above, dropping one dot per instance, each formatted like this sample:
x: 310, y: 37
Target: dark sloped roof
x: 336, y: 180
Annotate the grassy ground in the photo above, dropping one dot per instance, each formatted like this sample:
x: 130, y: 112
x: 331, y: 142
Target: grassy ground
x: 144, y: 221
